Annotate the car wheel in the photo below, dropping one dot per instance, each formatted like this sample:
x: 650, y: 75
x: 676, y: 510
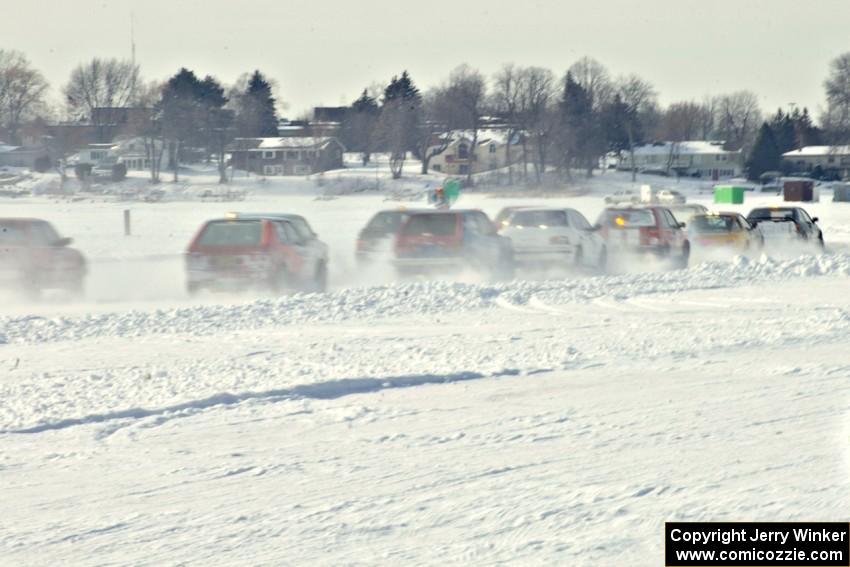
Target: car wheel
x: 76, y: 288
x: 280, y: 281
x: 578, y: 259
x: 320, y: 280
x: 686, y: 256
x: 602, y: 263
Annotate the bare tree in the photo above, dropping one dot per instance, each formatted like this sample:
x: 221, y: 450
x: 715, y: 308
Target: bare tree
x: 505, y: 100
x: 101, y: 84
x: 536, y: 96
x: 594, y: 78
x: 22, y: 92
x: 464, y: 96
x: 148, y: 126
x: 639, y: 100
x: 436, y: 123
x: 738, y: 118
x: 836, y: 117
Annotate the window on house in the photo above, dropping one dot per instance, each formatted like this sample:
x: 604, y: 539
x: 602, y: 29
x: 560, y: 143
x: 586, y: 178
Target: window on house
x: 269, y: 154
x: 462, y: 151
x: 830, y: 160
x: 437, y: 167
x: 292, y: 154
x: 464, y: 169
x: 492, y: 148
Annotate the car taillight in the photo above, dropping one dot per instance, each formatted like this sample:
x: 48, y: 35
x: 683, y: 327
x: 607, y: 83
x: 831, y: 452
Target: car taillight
x: 798, y: 228
x: 649, y: 236
x: 402, y: 245
x: 195, y: 261
x: 361, y: 244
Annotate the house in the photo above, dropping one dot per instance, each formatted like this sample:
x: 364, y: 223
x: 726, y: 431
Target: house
x: 32, y: 157
x: 493, y: 150
x: 692, y: 158
x: 831, y: 159
x: 288, y: 155
x: 133, y: 152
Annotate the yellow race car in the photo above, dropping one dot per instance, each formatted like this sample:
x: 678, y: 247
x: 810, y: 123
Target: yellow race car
x: 724, y: 230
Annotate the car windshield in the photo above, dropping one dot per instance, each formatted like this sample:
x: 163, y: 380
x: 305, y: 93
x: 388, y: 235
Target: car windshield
x: 302, y: 228
x: 542, y: 219
x: 436, y: 225
x: 631, y: 218
x: 384, y: 223
x: 712, y: 223
x: 12, y: 233
x: 231, y: 233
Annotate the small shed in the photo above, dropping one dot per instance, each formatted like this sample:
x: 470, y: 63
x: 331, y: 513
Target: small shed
x: 729, y: 194
x: 841, y: 193
x: 802, y: 190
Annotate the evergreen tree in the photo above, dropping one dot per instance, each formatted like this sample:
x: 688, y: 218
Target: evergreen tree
x: 807, y: 133
x: 256, y: 115
x: 400, y: 114
x: 765, y: 155
x: 358, y: 127
x: 615, y: 119
x: 784, y: 131
x: 179, y: 110
x: 581, y: 136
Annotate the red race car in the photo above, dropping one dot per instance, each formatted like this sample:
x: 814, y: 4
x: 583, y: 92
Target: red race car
x: 271, y: 251
x: 645, y: 230
x: 33, y: 257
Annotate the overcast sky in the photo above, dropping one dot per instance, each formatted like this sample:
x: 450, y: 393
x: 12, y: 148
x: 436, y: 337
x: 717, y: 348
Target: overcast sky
x: 324, y: 52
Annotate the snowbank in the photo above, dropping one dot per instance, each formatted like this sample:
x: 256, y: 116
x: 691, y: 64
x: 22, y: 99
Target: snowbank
x: 412, y: 299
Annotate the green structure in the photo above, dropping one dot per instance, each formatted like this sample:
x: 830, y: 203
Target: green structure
x: 729, y: 194
x: 451, y: 189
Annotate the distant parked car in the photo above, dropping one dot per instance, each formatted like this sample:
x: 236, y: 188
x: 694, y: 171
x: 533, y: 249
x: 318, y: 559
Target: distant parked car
x: 646, y: 230
x: 271, y: 251
x: 554, y: 236
x: 683, y: 213
x: 784, y: 224
x: 33, y: 257
x: 655, y: 171
x: 724, y: 230
x: 625, y: 196
x: 449, y: 241
x: 376, y: 238
x: 669, y: 197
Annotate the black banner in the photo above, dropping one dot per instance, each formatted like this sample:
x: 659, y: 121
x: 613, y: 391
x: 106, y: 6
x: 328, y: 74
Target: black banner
x: 757, y: 544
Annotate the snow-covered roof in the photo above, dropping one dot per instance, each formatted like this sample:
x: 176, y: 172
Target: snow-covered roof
x: 6, y: 148
x: 485, y: 136
x: 259, y: 144
x: 683, y: 148
x: 815, y: 151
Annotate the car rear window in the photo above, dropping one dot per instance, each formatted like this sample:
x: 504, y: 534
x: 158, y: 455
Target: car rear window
x: 12, y: 233
x: 384, y: 223
x: 231, y: 233
x: 712, y: 223
x: 772, y: 214
x: 631, y: 218
x: 539, y: 218
x: 436, y: 225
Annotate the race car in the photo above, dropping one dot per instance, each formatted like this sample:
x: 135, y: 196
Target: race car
x: 644, y: 230
x: 33, y: 258
x: 376, y: 239
x: 780, y: 225
x: 729, y: 231
x: 553, y: 236
x: 684, y: 212
x: 451, y: 241
x: 256, y: 250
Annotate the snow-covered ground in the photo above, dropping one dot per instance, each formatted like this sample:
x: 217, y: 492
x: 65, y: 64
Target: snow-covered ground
x: 539, y: 421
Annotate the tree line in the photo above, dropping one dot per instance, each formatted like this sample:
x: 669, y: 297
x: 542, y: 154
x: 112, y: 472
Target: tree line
x: 564, y: 124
